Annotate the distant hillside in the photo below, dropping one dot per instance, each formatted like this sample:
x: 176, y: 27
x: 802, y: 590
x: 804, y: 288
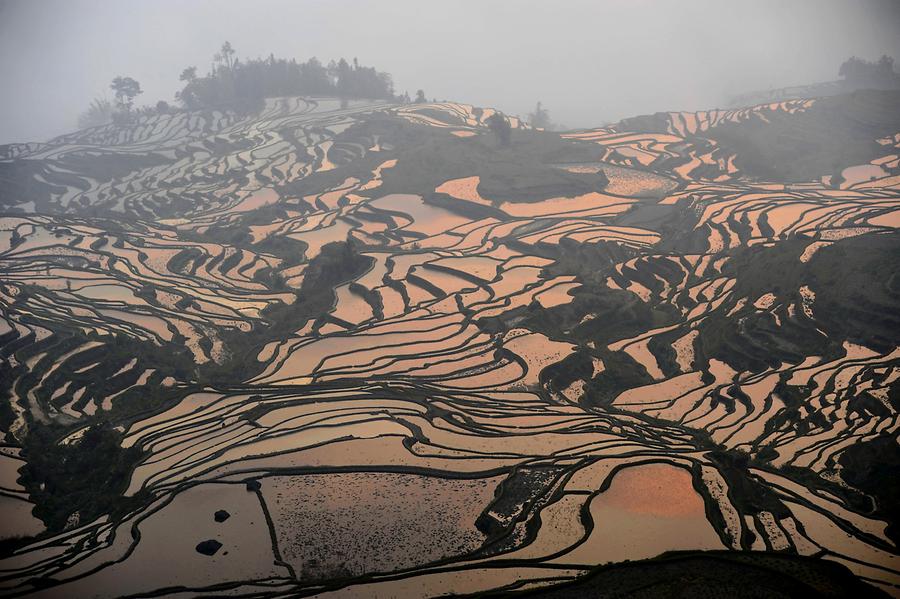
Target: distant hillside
x: 790, y: 140
x: 793, y: 92
x: 856, y: 74
x: 832, y: 134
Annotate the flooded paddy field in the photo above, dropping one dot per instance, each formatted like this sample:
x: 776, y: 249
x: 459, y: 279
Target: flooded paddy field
x: 366, y: 351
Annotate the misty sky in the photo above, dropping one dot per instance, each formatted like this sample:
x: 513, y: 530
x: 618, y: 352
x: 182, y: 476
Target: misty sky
x: 589, y: 61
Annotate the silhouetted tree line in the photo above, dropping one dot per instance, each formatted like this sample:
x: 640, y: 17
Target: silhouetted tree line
x: 243, y: 85
x: 863, y: 74
x: 233, y: 83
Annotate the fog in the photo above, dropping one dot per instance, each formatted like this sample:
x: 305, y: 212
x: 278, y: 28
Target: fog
x: 589, y: 61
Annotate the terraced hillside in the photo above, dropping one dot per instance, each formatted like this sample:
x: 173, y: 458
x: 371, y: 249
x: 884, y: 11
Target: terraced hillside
x: 373, y: 351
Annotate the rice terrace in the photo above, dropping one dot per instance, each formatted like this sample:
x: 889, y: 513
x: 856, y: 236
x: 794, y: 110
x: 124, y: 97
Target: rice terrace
x: 324, y: 342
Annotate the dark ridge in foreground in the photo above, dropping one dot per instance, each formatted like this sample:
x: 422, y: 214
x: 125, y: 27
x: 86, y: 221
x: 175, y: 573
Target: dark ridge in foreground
x: 715, y: 575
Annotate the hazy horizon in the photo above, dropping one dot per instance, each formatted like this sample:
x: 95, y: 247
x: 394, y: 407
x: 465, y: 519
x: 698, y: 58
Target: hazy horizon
x: 602, y: 62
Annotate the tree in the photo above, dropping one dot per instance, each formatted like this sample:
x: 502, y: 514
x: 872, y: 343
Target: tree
x: 126, y: 90
x: 100, y: 112
x: 499, y: 126
x: 885, y: 66
x: 540, y: 118
x: 420, y: 97
x: 341, y: 75
x: 188, y: 75
x: 226, y: 56
x: 313, y: 78
x: 859, y: 73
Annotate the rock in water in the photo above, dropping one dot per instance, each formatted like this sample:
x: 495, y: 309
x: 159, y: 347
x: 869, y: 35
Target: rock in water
x: 208, y: 547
